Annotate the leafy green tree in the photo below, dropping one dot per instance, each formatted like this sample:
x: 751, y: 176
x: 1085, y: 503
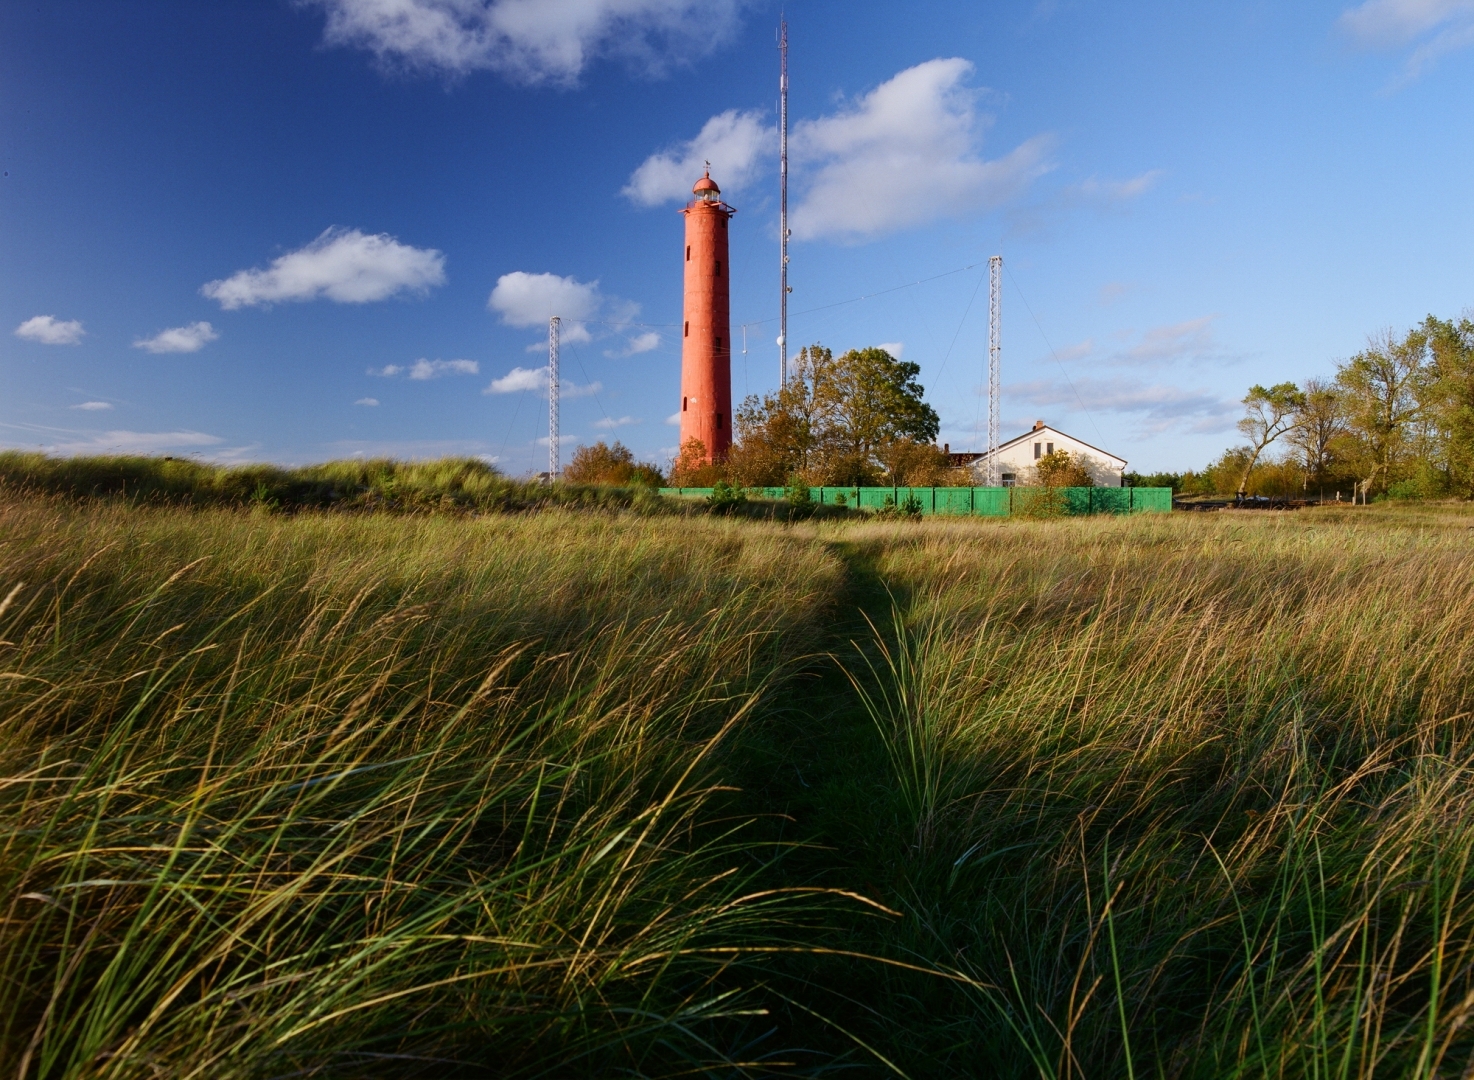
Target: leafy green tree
x: 1384, y: 388
x: 1268, y: 414
x: 838, y: 421
x: 1450, y: 397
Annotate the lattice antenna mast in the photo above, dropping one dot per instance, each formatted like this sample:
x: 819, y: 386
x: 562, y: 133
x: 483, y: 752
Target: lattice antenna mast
x: 995, y: 350
x: 783, y: 201
x: 555, y: 463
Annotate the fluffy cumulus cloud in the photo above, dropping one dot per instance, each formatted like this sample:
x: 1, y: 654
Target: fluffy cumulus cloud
x: 1432, y: 28
x: 344, y: 265
x: 525, y: 300
x: 179, y: 339
x: 644, y: 342
x: 528, y: 41
x: 422, y: 369
x: 521, y: 378
x: 904, y: 154
x: 738, y: 145
x: 49, y: 330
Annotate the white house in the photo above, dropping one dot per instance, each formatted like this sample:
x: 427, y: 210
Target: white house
x: 1017, y: 456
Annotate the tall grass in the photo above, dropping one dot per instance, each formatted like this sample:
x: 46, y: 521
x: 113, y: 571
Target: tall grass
x: 357, y: 795
x: 381, y: 796
x: 443, y: 485
x: 1183, y: 797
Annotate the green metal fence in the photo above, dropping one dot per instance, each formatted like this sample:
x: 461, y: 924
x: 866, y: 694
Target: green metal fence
x: 977, y: 501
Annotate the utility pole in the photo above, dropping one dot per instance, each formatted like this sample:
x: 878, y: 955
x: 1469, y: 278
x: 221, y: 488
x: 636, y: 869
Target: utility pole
x: 783, y: 201
x: 995, y: 349
x: 554, y: 464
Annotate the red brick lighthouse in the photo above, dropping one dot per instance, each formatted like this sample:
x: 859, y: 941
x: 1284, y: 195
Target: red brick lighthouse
x: 706, y: 341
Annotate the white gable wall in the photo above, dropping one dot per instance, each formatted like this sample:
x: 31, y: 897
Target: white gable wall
x: 1016, y: 458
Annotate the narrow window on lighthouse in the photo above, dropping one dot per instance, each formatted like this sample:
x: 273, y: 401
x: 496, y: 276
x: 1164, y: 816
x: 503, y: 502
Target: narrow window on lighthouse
x: 719, y: 268
x: 688, y: 329
x: 719, y: 343
x: 683, y: 404
x: 719, y: 419
x: 688, y: 252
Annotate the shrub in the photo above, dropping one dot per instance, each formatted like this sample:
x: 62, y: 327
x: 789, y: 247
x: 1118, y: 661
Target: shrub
x: 614, y: 465
x: 725, y: 498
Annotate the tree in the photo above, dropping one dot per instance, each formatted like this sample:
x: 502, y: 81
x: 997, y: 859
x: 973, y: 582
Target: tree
x: 1450, y: 397
x: 691, y: 469
x: 614, y: 465
x: 876, y: 401
x: 838, y: 420
x: 1384, y: 386
x: 1268, y: 414
x: 1320, y: 422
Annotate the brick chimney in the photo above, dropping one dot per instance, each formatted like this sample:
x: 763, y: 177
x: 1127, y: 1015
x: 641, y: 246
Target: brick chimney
x: 1038, y: 425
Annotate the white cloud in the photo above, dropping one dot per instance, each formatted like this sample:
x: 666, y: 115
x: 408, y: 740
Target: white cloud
x: 895, y: 348
x: 520, y: 378
x: 526, y: 300
x: 1436, y: 27
x: 1159, y: 406
x: 609, y: 423
x: 1119, y: 190
x: 674, y: 419
x: 134, y: 442
x: 368, y: 401
x: 736, y: 143
x: 423, y: 369
x: 411, y: 450
x: 93, y: 406
x: 344, y: 265
x: 640, y: 343
x: 904, y: 154
x: 48, y: 330
x: 529, y: 41
x: 1190, y: 340
x: 179, y: 339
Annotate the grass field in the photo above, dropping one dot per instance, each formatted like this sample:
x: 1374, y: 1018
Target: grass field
x: 599, y: 793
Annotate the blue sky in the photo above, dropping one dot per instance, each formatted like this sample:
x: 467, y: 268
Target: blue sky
x: 289, y: 231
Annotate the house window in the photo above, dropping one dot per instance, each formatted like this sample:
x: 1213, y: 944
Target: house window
x: 1009, y: 479
x: 719, y: 268
x: 1038, y: 450
x: 1049, y: 448
x: 683, y: 403
x: 688, y: 329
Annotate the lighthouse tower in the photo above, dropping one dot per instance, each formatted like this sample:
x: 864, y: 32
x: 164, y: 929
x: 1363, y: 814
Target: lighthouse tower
x: 706, y: 330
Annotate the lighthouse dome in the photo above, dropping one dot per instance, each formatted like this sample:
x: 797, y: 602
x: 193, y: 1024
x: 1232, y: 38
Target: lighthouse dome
x: 706, y: 189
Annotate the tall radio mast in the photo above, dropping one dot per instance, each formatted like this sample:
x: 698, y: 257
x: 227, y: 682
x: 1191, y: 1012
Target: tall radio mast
x: 554, y: 464
x: 995, y: 349
x: 783, y: 200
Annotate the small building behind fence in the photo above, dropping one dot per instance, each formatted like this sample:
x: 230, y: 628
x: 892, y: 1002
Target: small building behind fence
x: 1017, y: 457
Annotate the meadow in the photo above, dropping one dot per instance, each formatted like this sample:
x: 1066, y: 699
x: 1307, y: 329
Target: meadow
x: 596, y: 791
